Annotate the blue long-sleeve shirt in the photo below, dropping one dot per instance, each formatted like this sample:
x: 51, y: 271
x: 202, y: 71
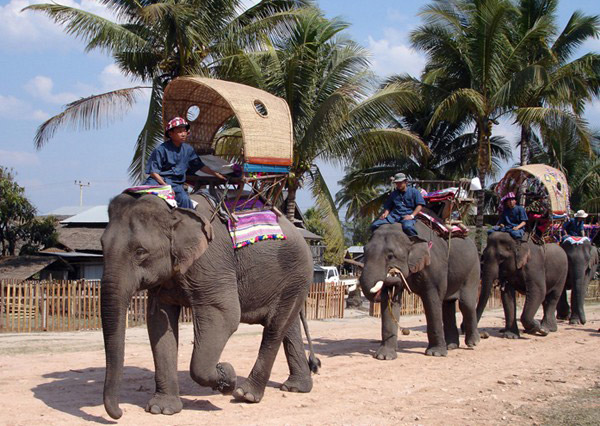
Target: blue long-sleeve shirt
x: 574, y: 227
x: 513, y: 217
x: 400, y: 204
x: 172, y: 162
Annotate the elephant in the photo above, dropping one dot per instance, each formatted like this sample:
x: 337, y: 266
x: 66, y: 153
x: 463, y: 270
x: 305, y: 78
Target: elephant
x: 437, y: 270
x: 583, y: 262
x: 185, y: 257
x: 537, y: 270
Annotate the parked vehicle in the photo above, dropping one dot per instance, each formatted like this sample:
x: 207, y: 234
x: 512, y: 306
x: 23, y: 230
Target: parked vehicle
x: 332, y: 276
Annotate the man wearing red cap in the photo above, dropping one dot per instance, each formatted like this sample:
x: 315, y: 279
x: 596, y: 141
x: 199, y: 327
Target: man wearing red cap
x: 171, y: 160
x: 513, y: 218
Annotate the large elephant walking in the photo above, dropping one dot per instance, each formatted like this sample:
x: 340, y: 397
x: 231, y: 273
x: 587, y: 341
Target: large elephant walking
x: 583, y: 262
x: 440, y: 274
x: 538, y: 271
x: 183, y: 259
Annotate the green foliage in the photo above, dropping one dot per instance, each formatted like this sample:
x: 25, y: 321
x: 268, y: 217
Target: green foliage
x: 17, y: 219
x: 316, y: 222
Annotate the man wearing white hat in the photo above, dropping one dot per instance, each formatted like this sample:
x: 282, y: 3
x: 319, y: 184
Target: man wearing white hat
x: 402, y: 206
x: 574, y: 226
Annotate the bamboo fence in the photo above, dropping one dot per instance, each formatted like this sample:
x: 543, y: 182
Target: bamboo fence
x: 34, y: 306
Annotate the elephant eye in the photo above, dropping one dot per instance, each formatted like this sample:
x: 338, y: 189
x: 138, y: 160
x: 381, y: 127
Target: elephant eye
x: 141, y: 252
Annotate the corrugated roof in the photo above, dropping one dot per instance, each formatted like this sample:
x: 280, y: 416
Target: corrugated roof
x: 80, y: 238
x: 307, y: 235
x: 96, y: 214
x: 356, y: 249
x: 23, y: 267
x: 68, y: 211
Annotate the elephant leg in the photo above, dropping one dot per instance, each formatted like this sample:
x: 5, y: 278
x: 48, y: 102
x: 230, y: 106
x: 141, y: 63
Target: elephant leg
x: 432, y: 304
x: 213, y: 325
x: 389, y: 326
x: 467, y: 304
x: 509, y: 304
x: 300, y: 379
x: 276, y: 328
x: 536, y: 292
x: 549, y: 304
x: 163, y: 332
x: 578, y: 293
x: 562, y: 310
x: 450, y: 329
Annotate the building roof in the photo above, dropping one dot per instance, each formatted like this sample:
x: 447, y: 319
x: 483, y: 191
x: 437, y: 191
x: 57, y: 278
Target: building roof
x: 307, y: 235
x: 356, y: 249
x: 79, y: 238
x: 67, y: 211
x: 23, y: 267
x: 96, y: 214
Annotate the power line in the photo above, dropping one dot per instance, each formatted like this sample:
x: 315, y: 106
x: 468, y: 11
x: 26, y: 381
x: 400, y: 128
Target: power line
x: 81, y: 185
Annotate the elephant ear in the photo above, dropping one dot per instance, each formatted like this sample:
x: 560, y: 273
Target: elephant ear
x: 592, y: 258
x: 190, y: 234
x: 418, y: 257
x: 523, y: 254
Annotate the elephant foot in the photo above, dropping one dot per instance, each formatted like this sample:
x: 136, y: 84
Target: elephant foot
x: 472, y: 341
x: 436, y: 351
x: 511, y: 335
x: 542, y: 331
x: 451, y: 346
x: 576, y: 321
x: 297, y: 384
x: 385, y: 353
x: 550, y: 326
x: 227, y: 378
x: 164, y: 404
x: 248, y: 393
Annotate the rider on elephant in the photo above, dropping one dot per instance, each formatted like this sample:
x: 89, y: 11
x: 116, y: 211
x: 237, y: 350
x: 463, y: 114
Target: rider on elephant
x: 170, y: 161
x: 402, y: 206
x: 513, y: 218
x: 574, y: 226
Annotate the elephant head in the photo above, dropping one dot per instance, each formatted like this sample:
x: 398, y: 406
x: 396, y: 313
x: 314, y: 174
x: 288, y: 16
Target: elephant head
x: 503, y: 254
x: 145, y: 245
x: 583, y: 262
x: 391, y: 250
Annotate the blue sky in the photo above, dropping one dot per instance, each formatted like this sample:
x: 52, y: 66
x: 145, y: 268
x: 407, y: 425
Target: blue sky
x: 43, y: 69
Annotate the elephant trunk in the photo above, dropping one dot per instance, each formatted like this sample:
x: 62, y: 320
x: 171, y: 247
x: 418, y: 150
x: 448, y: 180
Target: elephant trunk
x: 490, y: 274
x: 370, y: 276
x: 113, y: 303
x: 578, y: 293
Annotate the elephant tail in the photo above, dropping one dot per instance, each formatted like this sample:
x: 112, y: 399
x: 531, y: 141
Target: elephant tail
x: 314, y: 363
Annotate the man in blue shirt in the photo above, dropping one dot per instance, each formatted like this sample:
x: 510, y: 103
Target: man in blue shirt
x: 402, y: 206
x: 574, y: 226
x: 512, y: 219
x: 170, y: 161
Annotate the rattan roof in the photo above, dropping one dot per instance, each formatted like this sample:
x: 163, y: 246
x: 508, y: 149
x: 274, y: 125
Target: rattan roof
x: 267, y: 138
x: 553, y: 180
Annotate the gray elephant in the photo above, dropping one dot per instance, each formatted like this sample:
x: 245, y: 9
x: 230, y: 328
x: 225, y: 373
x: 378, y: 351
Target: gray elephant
x: 538, y: 271
x: 184, y: 259
x: 440, y: 274
x: 583, y: 262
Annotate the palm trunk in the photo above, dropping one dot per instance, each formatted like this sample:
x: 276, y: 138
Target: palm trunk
x: 290, y: 209
x: 525, y: 137
x: 482, y: 163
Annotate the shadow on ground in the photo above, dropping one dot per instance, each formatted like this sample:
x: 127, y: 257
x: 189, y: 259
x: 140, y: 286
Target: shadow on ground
x: 72, y: 390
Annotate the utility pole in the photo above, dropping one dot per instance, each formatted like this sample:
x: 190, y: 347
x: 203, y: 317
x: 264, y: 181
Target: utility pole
x: 81, y: 185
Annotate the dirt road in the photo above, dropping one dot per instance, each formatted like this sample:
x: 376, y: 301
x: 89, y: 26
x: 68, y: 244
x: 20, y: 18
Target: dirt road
x: 56, y: 379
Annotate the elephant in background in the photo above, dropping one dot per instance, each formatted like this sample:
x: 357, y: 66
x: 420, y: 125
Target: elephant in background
x: 440, y: 274
x: 583, y: 262
x: 538, y: 271
x: 184, y: 259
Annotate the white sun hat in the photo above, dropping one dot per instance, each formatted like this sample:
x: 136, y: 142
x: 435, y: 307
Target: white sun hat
x: 581, y: 213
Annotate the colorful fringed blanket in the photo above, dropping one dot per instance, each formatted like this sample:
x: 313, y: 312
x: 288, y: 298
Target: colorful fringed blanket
x: 575, y: 240
x: 441, y: 229
x: 252, y: 227
x: 165, y: 192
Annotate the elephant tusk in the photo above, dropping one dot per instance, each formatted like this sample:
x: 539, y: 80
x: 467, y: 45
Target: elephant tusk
x: 378, y: 285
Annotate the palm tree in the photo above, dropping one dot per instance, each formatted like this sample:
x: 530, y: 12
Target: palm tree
x: 156, y: 41
x: 473, y: 54
x: 565, y: 82
x: 325, y: 79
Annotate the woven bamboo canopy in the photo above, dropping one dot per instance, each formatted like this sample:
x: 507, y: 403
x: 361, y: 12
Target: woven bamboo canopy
x: 264, y: 119
x: 540, y: 180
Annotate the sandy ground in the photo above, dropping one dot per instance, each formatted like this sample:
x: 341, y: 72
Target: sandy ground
x: 56, y: 379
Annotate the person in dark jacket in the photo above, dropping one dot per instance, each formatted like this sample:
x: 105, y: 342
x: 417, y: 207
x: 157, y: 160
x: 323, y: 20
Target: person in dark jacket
x: 402, y: 206
x: 513, y: 218
x: 171, y: 160
x: 574, y: 226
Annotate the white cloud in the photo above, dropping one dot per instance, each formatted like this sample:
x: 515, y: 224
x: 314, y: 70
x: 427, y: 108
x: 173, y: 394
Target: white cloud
x: 111, y: 78
x: 17, y: 109
x: 18, y: 158
x: 41, y: 87
x: 393, y: 55
x: 34, y: 30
